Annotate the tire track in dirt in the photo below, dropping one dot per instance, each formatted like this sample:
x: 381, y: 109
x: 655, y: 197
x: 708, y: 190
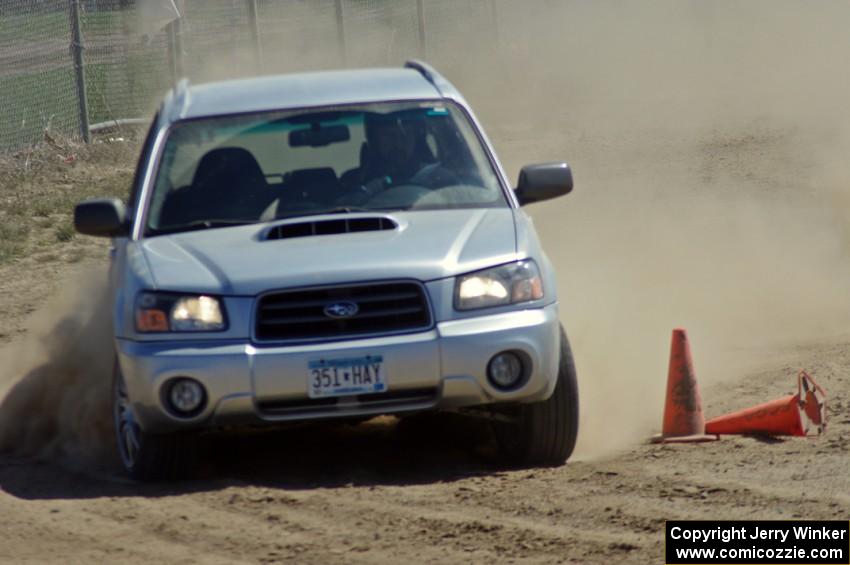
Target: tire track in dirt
x: 64, y: 531
x: 379, y: 519
x: 188, y: 520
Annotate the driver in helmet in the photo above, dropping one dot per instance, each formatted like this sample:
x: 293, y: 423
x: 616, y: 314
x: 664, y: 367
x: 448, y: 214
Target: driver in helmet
x: 396, y: 153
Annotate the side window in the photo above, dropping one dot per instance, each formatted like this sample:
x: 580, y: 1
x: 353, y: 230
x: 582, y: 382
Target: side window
x: 138, y: 177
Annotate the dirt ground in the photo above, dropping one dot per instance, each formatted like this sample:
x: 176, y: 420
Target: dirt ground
x: 364, y: 497
x: 375, y: 493
x: 711, y: 193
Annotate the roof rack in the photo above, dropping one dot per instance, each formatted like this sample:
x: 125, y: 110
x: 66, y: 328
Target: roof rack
x: 180, y: 100
x: 428, y: 72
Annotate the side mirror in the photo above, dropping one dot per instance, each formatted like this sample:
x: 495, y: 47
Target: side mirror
x: 543, y: 181
x: 101, y: 217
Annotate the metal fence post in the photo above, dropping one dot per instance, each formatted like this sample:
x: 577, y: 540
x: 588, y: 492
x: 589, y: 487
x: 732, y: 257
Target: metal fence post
x: 254, y: 27
x: 178, y: 46
x: 175, y: 48
x: 420, y: 17
x: 172, y: 58
x: 79, y: 69
x: 340, y: 30
x: 494, y: 16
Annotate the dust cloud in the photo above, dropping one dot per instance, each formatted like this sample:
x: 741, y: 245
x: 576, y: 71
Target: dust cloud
x: 55, y: 385
x: 709, y: 144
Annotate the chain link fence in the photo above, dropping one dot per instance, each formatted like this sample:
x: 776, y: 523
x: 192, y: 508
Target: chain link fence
x: 73, y: 66
x: 37, y: 86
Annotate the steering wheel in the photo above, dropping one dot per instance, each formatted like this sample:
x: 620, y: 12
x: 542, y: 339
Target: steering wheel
x: 434, y: 176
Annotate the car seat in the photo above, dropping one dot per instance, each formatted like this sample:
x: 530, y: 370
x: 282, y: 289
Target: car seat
x: 228, y: 185
x: 318, y: 185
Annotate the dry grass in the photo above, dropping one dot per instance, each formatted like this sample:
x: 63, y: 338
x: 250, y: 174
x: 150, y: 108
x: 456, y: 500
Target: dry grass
x: 40, y: 185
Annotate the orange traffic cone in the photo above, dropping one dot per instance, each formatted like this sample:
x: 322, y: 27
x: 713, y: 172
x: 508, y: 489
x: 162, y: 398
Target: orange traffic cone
x: 793, y: 415
x: 683, y: 419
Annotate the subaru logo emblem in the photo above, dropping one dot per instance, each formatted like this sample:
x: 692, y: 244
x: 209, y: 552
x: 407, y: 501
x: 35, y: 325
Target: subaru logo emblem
x: 341, y: 310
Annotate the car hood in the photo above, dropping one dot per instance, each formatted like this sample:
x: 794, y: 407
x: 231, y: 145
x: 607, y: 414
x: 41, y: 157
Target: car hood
x: 427, y: 245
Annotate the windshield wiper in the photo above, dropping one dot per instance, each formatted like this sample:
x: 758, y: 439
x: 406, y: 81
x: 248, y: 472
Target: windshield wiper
x: 334, y: 210
x: 201, y: 225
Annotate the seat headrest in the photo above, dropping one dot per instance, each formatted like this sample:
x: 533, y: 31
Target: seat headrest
x: 228, y: 165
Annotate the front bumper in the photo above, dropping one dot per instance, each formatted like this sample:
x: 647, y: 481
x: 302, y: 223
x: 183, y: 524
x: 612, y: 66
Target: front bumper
x: 248, y: 384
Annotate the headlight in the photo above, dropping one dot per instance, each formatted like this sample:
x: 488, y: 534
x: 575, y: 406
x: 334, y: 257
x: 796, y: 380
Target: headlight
x: 506, y: 284
x: 160, y: 312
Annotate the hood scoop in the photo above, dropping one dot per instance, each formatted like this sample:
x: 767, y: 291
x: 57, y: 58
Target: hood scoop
x: 331, y: 227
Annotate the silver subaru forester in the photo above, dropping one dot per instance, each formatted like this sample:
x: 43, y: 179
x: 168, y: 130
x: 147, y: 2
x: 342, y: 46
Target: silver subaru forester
x: 330, y: 245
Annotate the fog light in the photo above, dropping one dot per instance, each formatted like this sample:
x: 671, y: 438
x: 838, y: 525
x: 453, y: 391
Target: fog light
x: 186, y: 396
x: 505, y: 370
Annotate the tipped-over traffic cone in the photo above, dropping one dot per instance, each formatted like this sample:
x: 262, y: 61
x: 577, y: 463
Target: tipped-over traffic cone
x: 793, y: 415
x: 683, y: 419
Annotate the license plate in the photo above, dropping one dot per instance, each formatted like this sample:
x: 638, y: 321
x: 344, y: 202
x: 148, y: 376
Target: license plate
x: 344, y: 377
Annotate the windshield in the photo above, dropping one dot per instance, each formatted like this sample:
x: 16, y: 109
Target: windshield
x: 234, y: 170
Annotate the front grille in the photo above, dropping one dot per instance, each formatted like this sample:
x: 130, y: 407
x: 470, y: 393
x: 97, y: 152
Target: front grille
x: 382, y: 308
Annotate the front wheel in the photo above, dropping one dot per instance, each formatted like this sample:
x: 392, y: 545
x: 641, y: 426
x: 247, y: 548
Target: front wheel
x: 543, y: 433
x: 145, y: 456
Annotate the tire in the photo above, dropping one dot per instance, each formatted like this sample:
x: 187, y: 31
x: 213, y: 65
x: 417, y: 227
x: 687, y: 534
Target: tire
x: 145, y: 456
x: 543, y: 433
